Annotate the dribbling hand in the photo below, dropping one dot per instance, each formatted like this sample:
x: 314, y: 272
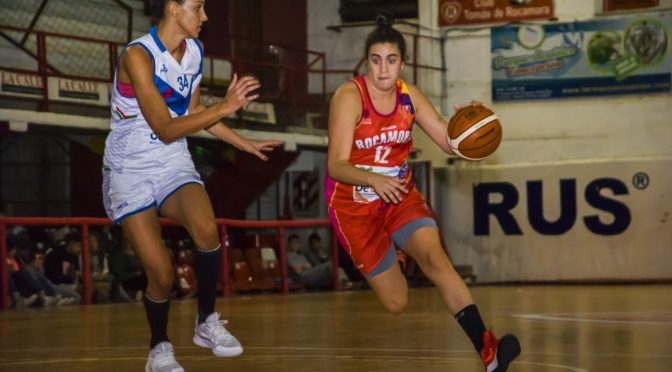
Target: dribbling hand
x: 256, y: 147
x: 391, y: 190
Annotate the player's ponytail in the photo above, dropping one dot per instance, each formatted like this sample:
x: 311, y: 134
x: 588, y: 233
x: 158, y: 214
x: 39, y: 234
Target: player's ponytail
x: 385, y: 33
x: 384, y: 19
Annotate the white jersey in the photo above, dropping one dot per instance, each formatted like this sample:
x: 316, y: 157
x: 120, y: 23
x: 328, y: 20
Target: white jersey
x: 131, y: 145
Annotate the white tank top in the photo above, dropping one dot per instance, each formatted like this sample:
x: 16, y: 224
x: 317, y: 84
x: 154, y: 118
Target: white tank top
x: 131, y: 145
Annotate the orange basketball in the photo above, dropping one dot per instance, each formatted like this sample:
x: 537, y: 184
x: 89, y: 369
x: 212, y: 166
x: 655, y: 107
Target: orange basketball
x: 474, y: 132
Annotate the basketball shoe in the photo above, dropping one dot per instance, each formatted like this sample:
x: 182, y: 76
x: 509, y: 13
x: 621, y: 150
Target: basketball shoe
x: 21, y: 302
x: 497, y: 355
x: 212, y: 334
x: 161, y: 359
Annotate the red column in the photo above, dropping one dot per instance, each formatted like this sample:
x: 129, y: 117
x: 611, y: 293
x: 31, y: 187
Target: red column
x: 283, y: 259
x: 87, y: 287
x: 334, y: 260
x: 4, y: 273
x: 224, y: 238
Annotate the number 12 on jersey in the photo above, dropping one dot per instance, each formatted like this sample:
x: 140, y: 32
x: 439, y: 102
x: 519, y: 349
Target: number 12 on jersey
x: 382, y: 152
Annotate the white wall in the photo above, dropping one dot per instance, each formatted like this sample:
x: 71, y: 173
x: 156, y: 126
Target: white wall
x: 582, y: 138
x: 553, y: 130
x: 344, y: 49
x: 639, y: 252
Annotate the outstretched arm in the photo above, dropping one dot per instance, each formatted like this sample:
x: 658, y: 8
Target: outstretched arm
x: 136, y: 66
x: 221, y: 131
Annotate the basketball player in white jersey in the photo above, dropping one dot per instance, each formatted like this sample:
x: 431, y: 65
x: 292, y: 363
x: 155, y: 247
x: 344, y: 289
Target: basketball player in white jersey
x: 148, y: 170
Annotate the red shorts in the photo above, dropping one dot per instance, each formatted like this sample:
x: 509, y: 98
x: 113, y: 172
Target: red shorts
x: 368, y: 236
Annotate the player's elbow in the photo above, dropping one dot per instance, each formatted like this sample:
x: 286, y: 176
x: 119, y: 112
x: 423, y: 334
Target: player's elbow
x: 334, y: 168
x: 165, y: 135
x: 165, y: 138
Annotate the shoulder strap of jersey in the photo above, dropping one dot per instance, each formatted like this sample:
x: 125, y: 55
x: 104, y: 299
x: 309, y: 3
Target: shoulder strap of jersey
x: 363, y: 92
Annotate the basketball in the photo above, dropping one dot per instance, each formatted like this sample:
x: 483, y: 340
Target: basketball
x: 474, y: 132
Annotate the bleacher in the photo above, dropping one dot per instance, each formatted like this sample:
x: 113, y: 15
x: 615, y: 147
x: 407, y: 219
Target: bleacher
x: 83, y: 39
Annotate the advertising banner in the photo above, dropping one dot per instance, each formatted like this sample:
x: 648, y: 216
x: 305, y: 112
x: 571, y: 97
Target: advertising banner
x: 465, y: 12
x: 606, y: 57
x: 612, y: 5
x: 79, y: 91
x: 600, y: 220
x: 21, y: 85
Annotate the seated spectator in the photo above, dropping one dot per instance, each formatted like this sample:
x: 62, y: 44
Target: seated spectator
x: 18, y: 301
x: 127, y: 273
x: 26, y: 282
x: 316, y: 253
x: 36, y: 267
x: 61, y: 266
x: 22, y: 288
x: 302, y: 271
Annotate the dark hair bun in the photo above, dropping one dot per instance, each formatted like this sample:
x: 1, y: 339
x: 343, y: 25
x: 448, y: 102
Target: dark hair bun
x: 384, y: 19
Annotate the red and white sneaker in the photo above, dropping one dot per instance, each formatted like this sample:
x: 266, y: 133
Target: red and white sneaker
x: 497, y: 355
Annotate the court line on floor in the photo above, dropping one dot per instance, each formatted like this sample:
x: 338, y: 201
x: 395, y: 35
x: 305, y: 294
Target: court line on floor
x: 448, y: 360
x: 330, y: 349
x: 566, y: 318
x: 560, y: 366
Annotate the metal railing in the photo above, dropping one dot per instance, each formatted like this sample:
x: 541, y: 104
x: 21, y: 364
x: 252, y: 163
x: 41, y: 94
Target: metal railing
x: 285, y: 72
x: 85, y: 223
x: 94, y: 60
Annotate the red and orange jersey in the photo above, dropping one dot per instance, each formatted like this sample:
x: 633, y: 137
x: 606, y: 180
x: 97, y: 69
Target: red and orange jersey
x: 381, y: 144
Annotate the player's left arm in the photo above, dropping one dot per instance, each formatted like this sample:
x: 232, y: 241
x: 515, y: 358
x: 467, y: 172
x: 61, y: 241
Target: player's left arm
x: 224, y: 133
x: 429, y: 119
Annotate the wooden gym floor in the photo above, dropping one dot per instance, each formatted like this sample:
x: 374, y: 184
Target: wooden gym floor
x: 561, y: 328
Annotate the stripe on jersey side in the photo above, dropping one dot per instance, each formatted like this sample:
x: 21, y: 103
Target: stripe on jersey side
x: 200, y: 49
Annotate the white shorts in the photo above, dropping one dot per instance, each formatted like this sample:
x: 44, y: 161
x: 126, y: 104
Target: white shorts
x: 125, y: 194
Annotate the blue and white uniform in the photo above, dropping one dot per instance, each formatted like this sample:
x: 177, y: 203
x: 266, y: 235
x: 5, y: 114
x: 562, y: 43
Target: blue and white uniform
x: 139, y: 170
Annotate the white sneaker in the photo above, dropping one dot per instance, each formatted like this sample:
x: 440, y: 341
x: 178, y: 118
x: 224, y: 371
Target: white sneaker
x: 161, y: 359
x: 65, y: 301
x: 28, y: 301
x: 212, y: 334
x: 51, y: 300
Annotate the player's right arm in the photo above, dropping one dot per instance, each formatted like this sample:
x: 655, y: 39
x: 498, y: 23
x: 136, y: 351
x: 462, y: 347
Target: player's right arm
x: 344, y: 113
x: 137, y: 67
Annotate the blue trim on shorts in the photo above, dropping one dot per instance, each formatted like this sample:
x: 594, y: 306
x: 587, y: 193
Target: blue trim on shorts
x: 159, y: 205
x: 118, y: 220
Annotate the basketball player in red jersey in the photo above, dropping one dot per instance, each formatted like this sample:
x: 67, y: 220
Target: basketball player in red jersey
x: 372, y: 201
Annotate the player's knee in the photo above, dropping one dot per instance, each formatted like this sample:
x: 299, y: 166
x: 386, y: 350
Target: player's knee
x: 206, y: 235
x: 163, y: 282
x: 396, y: 304
x: 434, y: 264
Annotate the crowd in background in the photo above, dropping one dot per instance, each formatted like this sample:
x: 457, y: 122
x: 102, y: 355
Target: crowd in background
x: 45, y: 266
